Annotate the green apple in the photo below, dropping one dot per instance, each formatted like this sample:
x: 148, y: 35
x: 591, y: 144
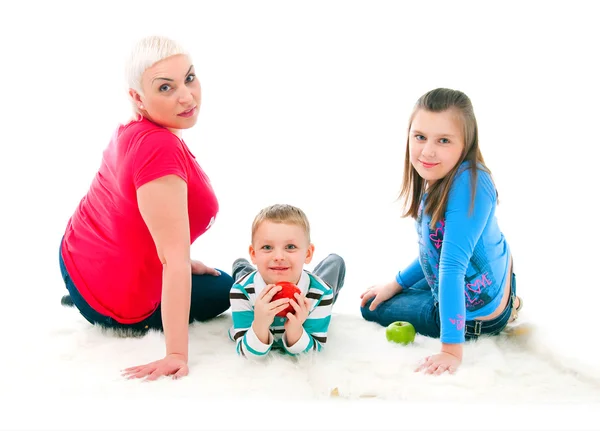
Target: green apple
x: 400, y: 332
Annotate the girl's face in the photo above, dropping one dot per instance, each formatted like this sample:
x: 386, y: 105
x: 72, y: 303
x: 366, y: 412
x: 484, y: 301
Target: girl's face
x: 436, y: 142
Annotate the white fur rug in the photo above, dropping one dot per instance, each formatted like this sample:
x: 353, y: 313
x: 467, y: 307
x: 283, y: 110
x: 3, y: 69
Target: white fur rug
x: 358, y: 362
x: 66, y: 375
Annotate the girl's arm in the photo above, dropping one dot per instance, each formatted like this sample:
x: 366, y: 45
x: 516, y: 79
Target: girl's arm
x: 462, y: 230
x: 412, y: 274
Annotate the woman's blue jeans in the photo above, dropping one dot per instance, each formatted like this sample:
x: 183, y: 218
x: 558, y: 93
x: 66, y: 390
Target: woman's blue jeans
x: 210, y: 297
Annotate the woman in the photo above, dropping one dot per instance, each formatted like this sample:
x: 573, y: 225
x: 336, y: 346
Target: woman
x: 125, y: 255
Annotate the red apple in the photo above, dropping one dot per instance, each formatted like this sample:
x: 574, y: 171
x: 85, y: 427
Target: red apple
x: 287, y: 291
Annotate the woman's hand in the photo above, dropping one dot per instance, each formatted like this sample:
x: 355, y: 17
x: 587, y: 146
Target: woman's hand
x: 171, y: 365
x: 199, y: 268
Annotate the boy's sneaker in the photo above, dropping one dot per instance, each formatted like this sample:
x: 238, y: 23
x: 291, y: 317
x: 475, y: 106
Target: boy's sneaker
x: 240, y: 268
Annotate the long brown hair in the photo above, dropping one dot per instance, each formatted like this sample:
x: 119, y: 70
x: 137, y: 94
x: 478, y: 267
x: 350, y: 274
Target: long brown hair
x: 413, y: 185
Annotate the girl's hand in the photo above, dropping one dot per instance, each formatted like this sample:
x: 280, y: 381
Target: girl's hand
x: 171, y: 365
x: 438, y: 364
x: 381, y: 293
x: 199, y: 268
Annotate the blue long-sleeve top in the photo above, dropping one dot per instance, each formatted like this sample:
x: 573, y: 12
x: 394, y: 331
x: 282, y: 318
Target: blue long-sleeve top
x: 465, y: 258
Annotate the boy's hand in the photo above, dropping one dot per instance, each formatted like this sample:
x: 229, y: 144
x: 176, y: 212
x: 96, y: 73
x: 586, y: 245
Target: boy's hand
x: 293, y: 325
x: 265, y: 310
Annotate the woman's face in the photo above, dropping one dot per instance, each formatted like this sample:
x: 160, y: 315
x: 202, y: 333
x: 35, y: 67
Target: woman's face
x: 170, y: 93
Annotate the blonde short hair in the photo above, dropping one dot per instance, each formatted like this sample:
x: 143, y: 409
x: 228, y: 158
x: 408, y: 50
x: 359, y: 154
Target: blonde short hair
x: 145, y: 53
x: 282, y: 213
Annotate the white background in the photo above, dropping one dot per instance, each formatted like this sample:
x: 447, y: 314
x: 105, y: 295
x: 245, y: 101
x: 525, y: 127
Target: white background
x: 307, y: 103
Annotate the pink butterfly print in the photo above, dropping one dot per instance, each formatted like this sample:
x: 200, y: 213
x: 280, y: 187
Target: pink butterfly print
x: 459, y: 322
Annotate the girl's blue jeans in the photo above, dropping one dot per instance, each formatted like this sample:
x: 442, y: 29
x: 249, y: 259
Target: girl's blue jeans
x: 417, y: 306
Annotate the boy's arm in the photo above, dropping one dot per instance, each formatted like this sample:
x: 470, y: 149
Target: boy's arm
x: 247, y: 343
x: 314, y: 333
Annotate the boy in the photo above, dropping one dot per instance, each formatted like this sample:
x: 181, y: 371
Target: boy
x: 280, y: 248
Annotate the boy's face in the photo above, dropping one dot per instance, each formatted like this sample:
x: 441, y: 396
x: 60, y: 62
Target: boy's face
x: 279, y: 251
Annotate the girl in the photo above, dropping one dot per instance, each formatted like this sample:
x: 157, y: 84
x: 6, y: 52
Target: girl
x: 462, y: 284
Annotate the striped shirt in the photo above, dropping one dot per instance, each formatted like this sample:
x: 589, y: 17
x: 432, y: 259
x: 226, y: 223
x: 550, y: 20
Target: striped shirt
x: 314, y: 335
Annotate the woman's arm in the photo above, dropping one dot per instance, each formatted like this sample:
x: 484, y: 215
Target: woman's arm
x: 163, y: 206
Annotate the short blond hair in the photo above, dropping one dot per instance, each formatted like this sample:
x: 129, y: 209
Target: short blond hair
x: 144, y: 54
x: 282, y: 213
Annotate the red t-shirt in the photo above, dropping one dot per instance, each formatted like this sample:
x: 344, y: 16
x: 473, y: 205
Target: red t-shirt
x: 107, y: 247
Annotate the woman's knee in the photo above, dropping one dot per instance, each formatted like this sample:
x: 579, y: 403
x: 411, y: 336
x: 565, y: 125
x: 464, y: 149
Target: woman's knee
x: 211, y: 288
x: 224, y: 284
x: 225, y: 281
x: 210, y: 296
